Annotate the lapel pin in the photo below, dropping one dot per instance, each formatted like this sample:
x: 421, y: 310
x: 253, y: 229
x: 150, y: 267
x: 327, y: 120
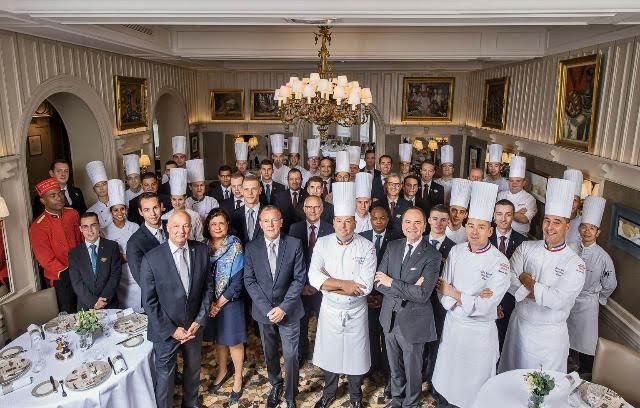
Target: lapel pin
x: 103, y: 259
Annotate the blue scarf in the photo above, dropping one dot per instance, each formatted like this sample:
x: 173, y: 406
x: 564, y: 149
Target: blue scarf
x: 226, y: 262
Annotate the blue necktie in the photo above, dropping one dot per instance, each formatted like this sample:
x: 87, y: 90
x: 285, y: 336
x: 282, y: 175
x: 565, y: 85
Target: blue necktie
x: 94, y: 257
x: 434, y: 242
x: 378, y: 243
x: 268, y: 192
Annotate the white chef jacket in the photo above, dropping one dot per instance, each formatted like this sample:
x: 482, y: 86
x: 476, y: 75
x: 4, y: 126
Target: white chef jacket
x: 363, y: 224
x: 503, y: 184
x: 447, y: 188
x: 342, y: 337
x: 130, y: 195
x: 573, y: 236
x: 129, y: 292
x: 469, y: 349
x: 280, y: 175
x: 521, y: 199
x: 196, y: 224
x: 103, y: 211
x: 537, y: 334
x: 458, y: 236
x: 203, y: 206
x: 600, y: 282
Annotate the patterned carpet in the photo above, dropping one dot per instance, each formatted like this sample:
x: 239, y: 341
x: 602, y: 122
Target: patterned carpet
x: 257, y: 387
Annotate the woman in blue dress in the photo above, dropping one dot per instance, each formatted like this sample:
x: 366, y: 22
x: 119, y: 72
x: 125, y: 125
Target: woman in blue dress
x: 226, y: 325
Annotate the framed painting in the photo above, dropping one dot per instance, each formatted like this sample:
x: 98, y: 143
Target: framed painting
x: 131, y: 102
x: 496, y: 97
x: 227, y: 104
x: 536, y: 185
x: 263, y: 106
x: 577, y: 102
x: 624, y: 231
x: 427, y: 99
x: 35, y: 145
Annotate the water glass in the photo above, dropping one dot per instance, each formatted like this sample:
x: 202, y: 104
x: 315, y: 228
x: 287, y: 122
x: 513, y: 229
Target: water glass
x: 39, y: 362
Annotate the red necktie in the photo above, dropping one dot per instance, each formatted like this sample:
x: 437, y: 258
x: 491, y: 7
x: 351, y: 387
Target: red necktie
x: 325, y: 190
x: 294, y: 201
x: 312, y: 239
x: 393, y: 209
x: 502, y: 247
x: 425, y: 191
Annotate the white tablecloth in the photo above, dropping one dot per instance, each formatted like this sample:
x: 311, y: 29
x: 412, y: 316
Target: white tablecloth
x: 509, y: 390
x: 132, y: 388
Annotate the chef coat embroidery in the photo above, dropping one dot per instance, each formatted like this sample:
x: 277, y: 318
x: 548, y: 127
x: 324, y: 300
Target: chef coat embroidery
x: 559, y: 271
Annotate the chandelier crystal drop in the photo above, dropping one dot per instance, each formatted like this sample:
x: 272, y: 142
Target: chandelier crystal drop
x: 322, y: 98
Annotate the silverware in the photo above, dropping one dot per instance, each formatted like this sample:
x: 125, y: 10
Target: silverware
x: 42, y: 332
x: 53, y: 383
x: 111, y: 364
x: 127, y: 339
x: 64, y: 393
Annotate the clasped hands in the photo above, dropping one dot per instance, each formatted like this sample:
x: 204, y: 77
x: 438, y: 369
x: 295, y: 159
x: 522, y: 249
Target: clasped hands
x: 528, y: 282
x: 183, y: 335
x: 446, y: 289
x: 276, y: 315
x: 101, y: 303
x: 382, y: 279
x: 217, y: 306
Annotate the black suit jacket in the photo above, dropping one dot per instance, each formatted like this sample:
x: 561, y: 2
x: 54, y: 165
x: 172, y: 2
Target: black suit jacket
x: 275, y: 187
x: 436, y: 193
x: 406, y: 304
x: 327, y: 212
x: 89, y: 287
x: 239, y: 223
x: 515, y: 239
x: 163, y: 297
x: 283, y: 291
x: 215, y: 191
x: 140, y: 242
x: 77, y: 202
x: 282, y: 200
x: 402, y: 205
x: 299, y: 230
x: 377, y: 189
x: 133, y: 213
x: 229, y: 205
x: 389, y: 236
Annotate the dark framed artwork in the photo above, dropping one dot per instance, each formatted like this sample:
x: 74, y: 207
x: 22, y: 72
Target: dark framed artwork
x: 227, y: 104
x: 624, y: 232
x: 35, y: 145
x: 474, y: 154
x: 536, y: 185
x: 263, y: 106
x: 428, y: 99
x: 195, y: 148
x: 131, y: 102
x: 496, y: 98
x: 577, y: 97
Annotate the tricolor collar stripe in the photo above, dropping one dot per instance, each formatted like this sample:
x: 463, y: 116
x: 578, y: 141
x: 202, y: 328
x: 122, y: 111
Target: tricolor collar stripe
x: 481, y: 250
x: 556, y: 248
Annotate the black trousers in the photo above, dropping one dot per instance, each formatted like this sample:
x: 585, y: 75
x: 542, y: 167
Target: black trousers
x: 311, y: 305
x: 508, y: 303
x: 289, y: 336
x: 331, y: 386
x: 165, y: 359
x: 405, y: 362
x: 377, y: 345
x: 66, y: 297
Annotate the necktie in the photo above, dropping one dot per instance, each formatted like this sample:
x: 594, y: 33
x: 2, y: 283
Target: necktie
x: 425, y: 190
x: 238, y: 203
x: 160, y: 236
x: 392, y: 205
x: 408, y: 254
x: 434, y: 242
x: 312, y: 239
x: 251, y: 224
x: 294, y: 201
x: 66, y: 200
x: 183, y: 269
x: 94, y: 258
x: 272, y: 259
x: 325, y: 190
x: 267, y: 189
x: 378, y: 243
x: 226, y: 193
x: 502, y: 247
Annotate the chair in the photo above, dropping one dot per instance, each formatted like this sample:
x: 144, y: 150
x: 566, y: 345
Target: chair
x: 618, y: 367
x: 37, y: 307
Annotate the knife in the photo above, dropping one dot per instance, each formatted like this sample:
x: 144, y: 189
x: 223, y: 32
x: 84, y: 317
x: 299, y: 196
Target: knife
x: 42, y: 332
x: 111, y: 364
x: 127, y: 339
x: 55, y: 387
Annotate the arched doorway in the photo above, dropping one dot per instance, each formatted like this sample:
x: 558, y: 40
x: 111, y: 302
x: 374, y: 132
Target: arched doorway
x: 169, y: 119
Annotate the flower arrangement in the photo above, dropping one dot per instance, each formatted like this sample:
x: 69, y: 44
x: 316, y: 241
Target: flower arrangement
x: 540, y: 384
x: 87, y: 322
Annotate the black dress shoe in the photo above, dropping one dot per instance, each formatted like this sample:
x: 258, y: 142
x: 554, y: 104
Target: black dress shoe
x: 324, y: 403
x: 235, y: 396
x: 291, y: 404
x: 214, y: 388
x: 178, y: 378
x: 387, y: 391
x: 274, y: 396
x: 356, y: 404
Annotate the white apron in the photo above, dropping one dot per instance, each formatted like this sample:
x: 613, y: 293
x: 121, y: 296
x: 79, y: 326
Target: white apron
x: 129, y: 293
x: 342, y: 338
x: 466, y: 359
x: 529, y: 345
x: 583, y: 323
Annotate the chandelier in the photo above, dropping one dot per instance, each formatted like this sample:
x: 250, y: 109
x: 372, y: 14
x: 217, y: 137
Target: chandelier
x: 322, y: 98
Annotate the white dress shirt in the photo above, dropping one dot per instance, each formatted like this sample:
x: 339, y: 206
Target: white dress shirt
x: 177, y: 253
x: 439, y: 239
x: 88, y: 244
x: 154, y: 232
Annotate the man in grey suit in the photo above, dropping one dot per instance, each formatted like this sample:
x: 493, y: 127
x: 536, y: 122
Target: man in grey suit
x: 274, y: 275
x: 176, y: 295
x: 406, y: 277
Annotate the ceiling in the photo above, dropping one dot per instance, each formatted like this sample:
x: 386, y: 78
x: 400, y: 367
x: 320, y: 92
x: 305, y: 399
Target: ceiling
x: 257, y: 34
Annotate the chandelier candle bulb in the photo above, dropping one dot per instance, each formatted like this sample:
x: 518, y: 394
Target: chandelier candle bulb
x: 314, y: 78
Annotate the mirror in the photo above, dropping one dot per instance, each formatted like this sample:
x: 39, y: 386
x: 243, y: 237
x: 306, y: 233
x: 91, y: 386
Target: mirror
x: 6, y: 284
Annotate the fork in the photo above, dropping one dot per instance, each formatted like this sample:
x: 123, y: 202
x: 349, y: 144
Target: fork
x: 64, y: 393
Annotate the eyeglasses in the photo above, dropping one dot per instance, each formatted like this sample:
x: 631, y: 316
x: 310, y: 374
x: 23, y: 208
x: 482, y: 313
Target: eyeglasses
x: 312, y: 207
x: 271, y: 221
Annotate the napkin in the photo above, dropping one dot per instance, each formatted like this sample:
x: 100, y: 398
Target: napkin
x: 17, y: 384
x: 33, y: 327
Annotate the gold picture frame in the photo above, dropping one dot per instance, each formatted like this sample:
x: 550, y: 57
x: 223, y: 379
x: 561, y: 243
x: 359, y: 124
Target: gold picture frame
x: 263, y: 105
x: 131, y: 99
x: 577, y: 102
x: 427, y: 99
x: 226, y: 104
x: 496, y: 100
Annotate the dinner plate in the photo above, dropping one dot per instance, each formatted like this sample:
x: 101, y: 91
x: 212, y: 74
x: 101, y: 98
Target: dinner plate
x: 133, y: 341
x: 11, y: 352
x: 88, y: 375
x: 60, y: 326
x: 43, y: 389
x: 13, y: 368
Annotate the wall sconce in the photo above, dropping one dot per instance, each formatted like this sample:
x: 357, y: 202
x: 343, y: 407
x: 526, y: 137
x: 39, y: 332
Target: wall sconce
x: 253, y: 142
x: 506, y: 157
x: 4, y: 210
x: 418, y: 145
x: 433, y: 145
x: 145, y: 162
